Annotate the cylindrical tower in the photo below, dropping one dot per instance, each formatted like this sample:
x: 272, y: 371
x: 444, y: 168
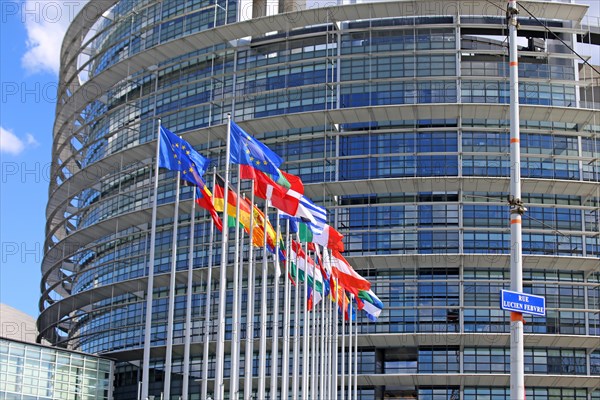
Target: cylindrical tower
x: 396, y: 116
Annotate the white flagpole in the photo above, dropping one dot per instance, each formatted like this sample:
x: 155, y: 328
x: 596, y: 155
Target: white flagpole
x: 326, y: 360
x: 220, y: 356
x: 172, y: 281
x: 305, y: 330
x: 313, y: 328
x: 349, y: 348
x: 326, y: 338
x: 296, y: 355
x: 315, y: 353
x: 235, y: 353
x: 356, y: 356
x: 150, y: 289
x: 285, y: 358
x: 262, y: 358
x: 343, y: 388
x: 323, y: 345
x: 250, y: 311
x: 275, y: 336
x: 335, y: 346
x: 208, y: 299
x: 329, y: 337
x: 188, y: 311
x: 329, y: 366
x: 322, y: 339
x: 239, y: 305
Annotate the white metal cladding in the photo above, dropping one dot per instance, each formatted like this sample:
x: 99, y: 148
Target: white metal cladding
x: 73, y: 104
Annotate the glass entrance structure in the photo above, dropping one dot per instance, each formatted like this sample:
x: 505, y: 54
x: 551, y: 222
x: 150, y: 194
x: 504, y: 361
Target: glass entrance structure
x: 34, y: 372
x: 395, y: 115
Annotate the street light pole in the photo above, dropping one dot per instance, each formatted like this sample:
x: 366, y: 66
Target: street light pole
x: 517, y: 370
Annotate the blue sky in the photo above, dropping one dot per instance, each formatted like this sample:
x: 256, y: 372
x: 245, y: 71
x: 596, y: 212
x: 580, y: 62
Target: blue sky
x: 30, y: 38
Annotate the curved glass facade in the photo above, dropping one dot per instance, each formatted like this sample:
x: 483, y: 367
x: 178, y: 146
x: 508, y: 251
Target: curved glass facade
x: 397, y: 123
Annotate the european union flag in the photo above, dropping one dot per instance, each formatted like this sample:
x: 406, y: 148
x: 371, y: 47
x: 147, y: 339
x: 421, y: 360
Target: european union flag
x: 178, y: 155
x: 246, y: 150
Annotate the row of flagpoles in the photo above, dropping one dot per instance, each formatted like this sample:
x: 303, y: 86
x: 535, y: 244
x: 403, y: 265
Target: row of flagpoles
x: 310, y: 250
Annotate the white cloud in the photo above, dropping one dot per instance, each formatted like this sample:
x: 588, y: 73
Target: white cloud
x: 31, y: 141
x: 46, y: 23
x: 10, y: 143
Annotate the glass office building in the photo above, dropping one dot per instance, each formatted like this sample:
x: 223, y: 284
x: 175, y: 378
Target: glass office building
x: 30, y: 371
x: 395, y: 115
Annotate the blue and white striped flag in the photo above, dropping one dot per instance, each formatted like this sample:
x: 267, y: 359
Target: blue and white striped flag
x: 314, y: 215
x: 372, y: 304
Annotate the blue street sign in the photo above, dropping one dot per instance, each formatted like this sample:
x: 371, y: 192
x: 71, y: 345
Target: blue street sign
x: 523, y: 303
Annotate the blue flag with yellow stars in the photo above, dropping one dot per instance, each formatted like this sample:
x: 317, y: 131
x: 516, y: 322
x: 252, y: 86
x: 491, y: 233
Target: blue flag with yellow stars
x: 178, y: 155
x: 246, y: 150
